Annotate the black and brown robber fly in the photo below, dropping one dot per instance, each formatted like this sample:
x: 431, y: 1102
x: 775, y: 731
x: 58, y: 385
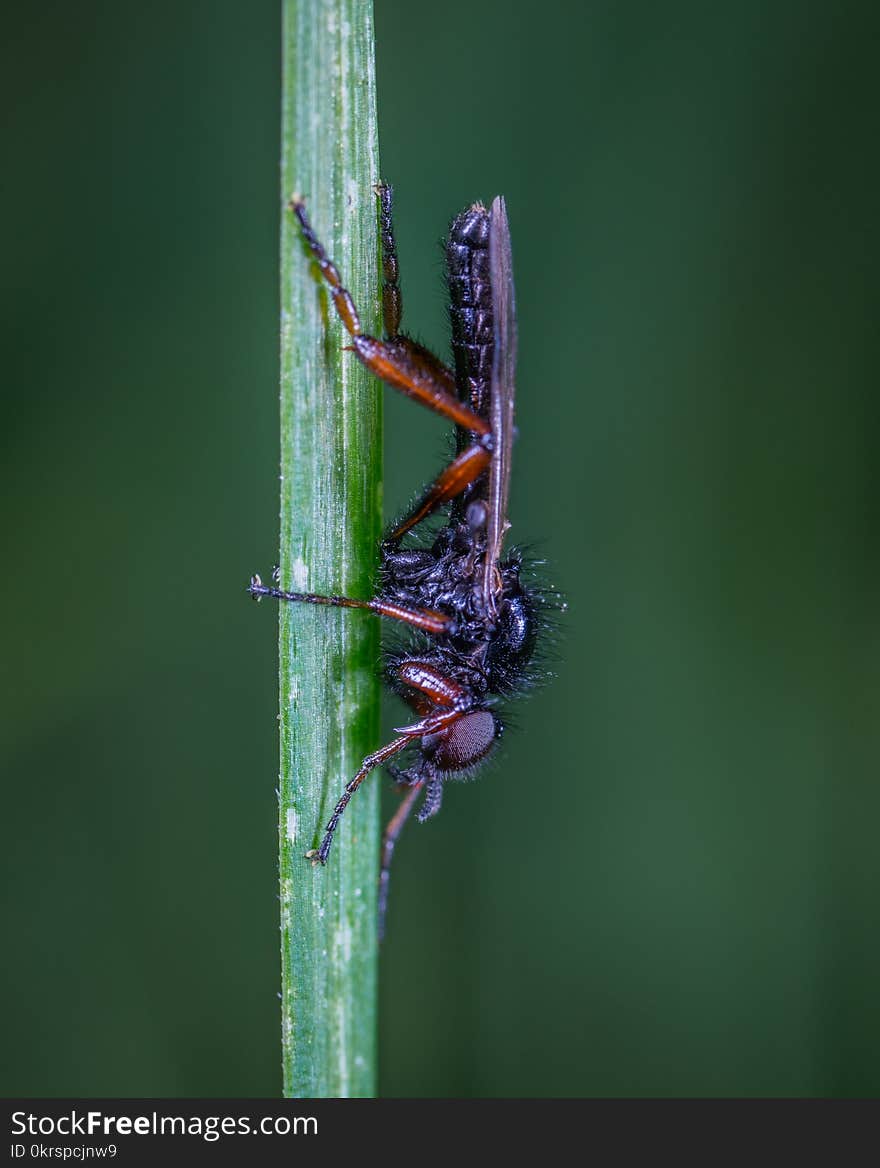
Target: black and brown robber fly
x: 471, y: 620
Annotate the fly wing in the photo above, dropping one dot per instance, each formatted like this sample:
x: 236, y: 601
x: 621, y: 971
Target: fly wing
x: 501, y: 396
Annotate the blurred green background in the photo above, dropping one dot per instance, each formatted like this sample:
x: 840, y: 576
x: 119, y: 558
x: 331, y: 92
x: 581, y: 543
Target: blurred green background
x: 668, y: 884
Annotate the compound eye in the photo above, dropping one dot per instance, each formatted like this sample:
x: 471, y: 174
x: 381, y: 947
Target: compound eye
x: 466, y: 741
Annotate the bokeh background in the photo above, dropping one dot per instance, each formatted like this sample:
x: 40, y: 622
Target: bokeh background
x: 668, y: 884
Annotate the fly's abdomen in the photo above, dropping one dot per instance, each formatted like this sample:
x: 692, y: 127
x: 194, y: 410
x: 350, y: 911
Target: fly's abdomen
x: 470, y: 309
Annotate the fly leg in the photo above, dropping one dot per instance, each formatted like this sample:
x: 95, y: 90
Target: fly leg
x: 320, y: 854
x: 389, y: 839
x: 392, y: 298
x: 433, y: 797
x: 426, y: 619
x: 450, y: 699
x: 398, y: 361
x: 430, y: 780
x: 461, y: 472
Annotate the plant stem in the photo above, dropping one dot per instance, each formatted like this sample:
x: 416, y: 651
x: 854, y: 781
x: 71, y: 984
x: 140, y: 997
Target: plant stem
x: 330, y: 524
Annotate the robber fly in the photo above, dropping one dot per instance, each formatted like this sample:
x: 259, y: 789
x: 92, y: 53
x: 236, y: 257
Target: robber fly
x: 471, y: 620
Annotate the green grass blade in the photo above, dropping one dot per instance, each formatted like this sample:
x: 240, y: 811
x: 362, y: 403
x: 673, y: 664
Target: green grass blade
x: 330, y: 524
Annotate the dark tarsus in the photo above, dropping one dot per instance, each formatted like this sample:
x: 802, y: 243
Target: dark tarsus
x: 473, y: 621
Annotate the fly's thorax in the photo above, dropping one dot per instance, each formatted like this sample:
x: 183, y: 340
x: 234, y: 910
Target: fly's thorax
x: 512, y: 643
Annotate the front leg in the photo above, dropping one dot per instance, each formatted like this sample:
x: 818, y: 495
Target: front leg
x: 433, y: 797
x: 320, y: 854
x: 389, y: 839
